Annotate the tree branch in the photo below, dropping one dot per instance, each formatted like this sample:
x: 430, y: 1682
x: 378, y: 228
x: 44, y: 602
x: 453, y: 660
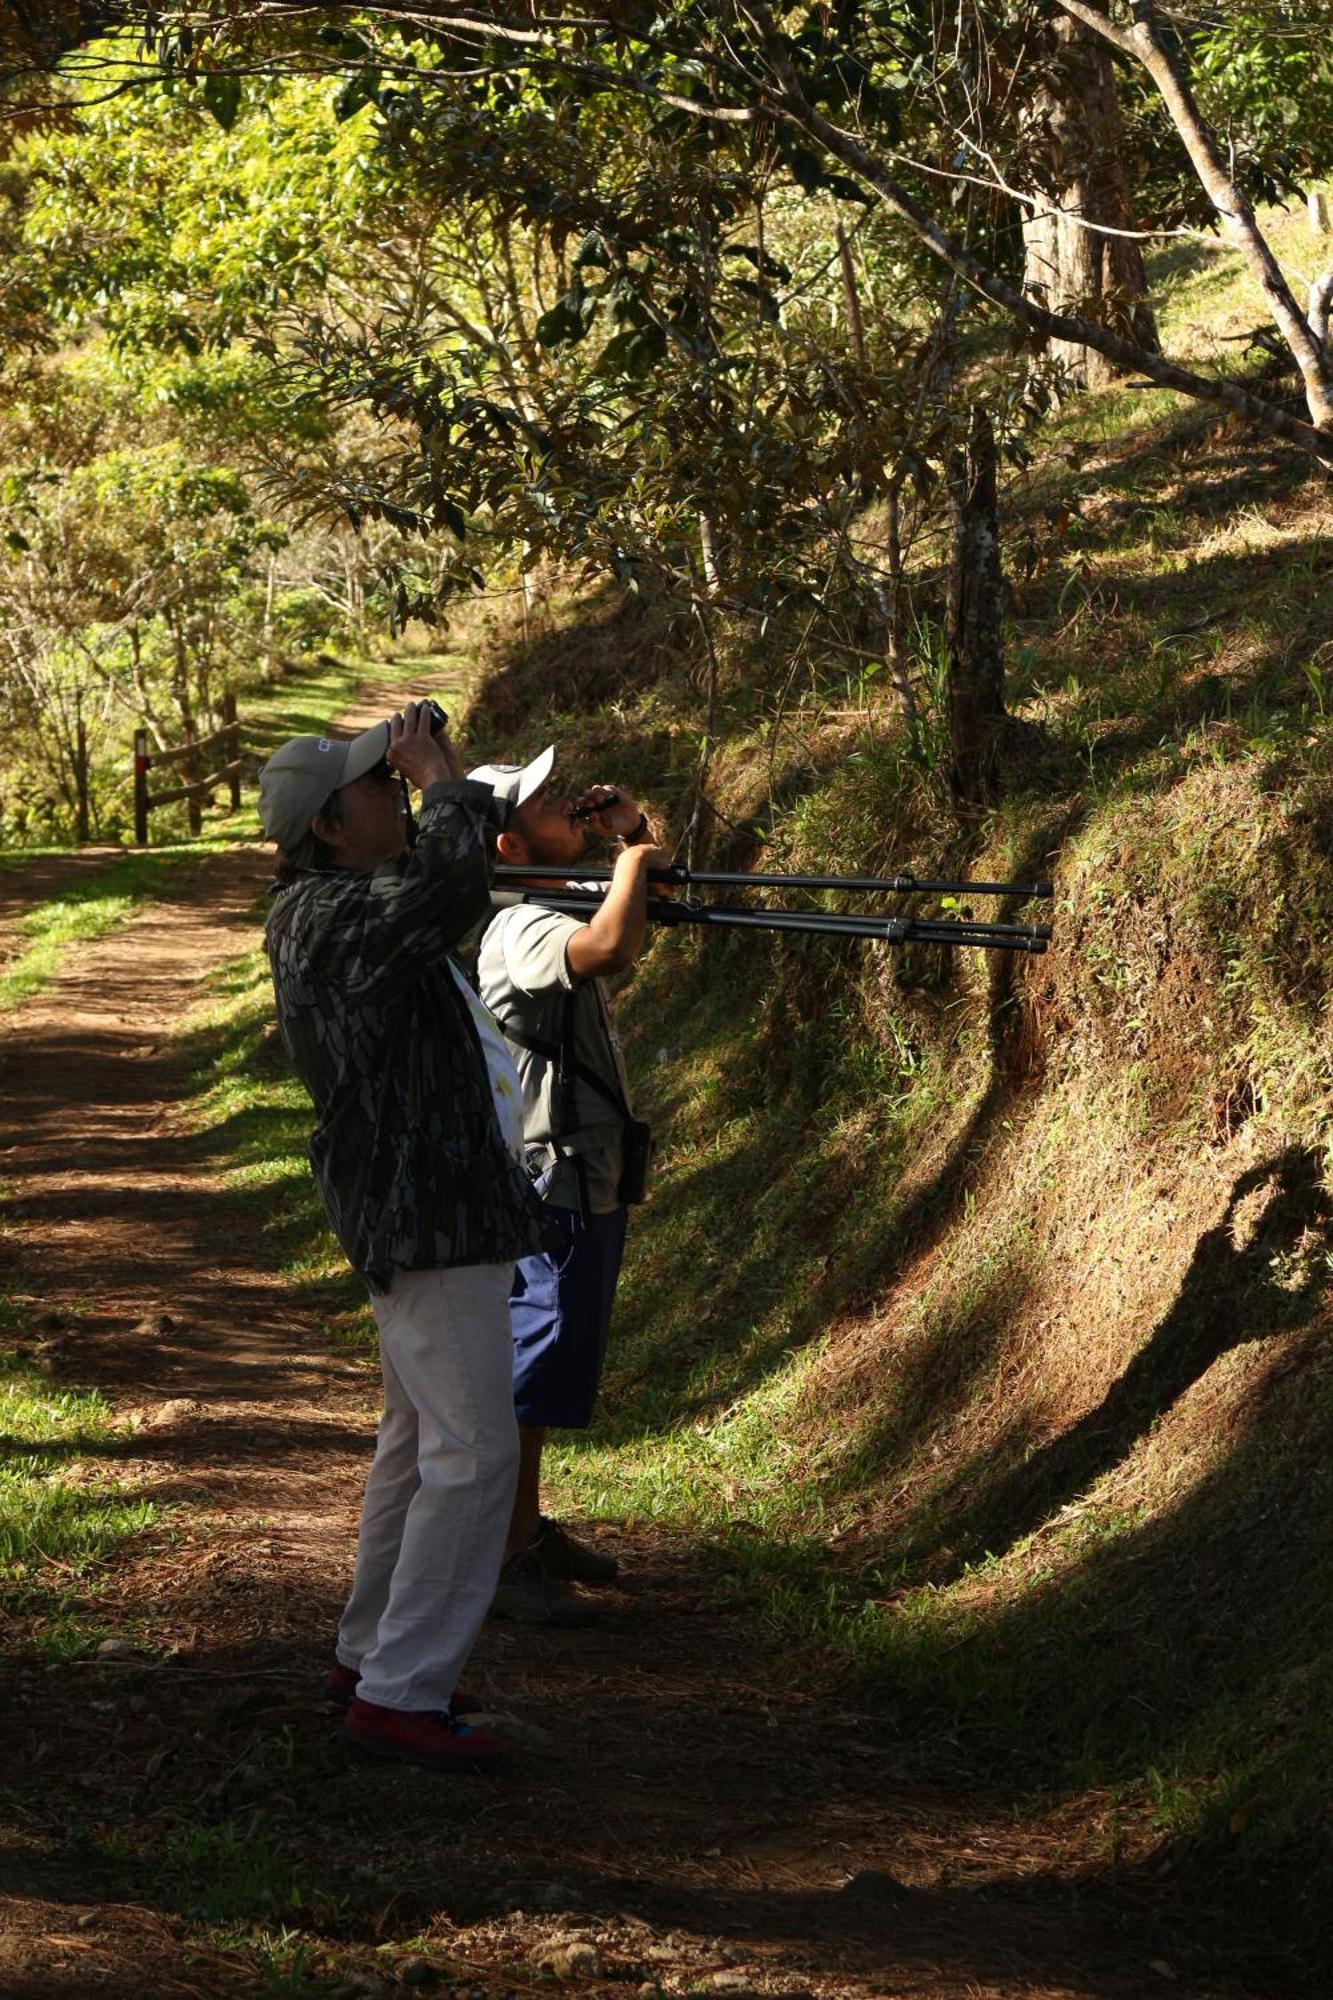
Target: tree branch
x: 1144, y: 42
x: 789, y: 104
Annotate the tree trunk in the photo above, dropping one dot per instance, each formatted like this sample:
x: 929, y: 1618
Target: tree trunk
x: 270, y: 668
x: 976, y: 651
x: 1145, y: 41
x: 1069, y: 268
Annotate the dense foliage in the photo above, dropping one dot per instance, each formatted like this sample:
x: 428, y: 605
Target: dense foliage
x: 378, y: 305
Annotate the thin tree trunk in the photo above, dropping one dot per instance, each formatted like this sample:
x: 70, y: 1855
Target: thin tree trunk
x: 976, y: 651
x: 708, y: 556
x: 270, y: 669
x: 695, y: 830
x: 851, y: 301
x: 1318, y: 306
x: 890, y: 595
x: 190, y: 769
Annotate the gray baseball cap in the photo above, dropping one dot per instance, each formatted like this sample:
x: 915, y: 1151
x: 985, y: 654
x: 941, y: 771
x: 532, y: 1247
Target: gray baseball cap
x: 302, y: 775
x: 513, y: 783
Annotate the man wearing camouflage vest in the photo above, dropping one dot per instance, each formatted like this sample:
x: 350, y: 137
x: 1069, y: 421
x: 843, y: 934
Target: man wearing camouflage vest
x: 417, y: 1152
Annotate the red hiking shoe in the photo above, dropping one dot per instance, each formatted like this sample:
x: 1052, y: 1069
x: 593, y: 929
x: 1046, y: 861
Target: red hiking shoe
x: 343, y: 1682
x: 420, y: 1736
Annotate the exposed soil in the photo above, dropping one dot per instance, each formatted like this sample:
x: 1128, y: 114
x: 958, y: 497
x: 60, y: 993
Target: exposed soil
x: 672, y: 1802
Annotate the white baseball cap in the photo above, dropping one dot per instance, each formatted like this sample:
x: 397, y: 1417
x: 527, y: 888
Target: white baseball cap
x: 515, y: 783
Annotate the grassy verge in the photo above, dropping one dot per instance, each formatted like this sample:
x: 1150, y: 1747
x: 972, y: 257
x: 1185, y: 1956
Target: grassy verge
x: 64, y: 1516
x: 86, y: 909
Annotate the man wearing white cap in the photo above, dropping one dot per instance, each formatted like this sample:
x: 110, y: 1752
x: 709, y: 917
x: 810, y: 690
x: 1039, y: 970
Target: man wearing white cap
x: 541, y: 974
x: 417, y: 1153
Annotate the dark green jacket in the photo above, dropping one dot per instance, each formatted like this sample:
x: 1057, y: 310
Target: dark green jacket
x: 407, y: 1152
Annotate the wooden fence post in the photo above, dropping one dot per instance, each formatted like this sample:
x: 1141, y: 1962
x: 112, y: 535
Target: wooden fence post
x: 82, y: 815
x: 194, y: 814
x: 230, y: 723
x: 141, y: 788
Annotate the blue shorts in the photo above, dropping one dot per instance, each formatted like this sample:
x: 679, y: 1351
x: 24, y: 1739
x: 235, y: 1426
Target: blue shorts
x: 560, y: 1315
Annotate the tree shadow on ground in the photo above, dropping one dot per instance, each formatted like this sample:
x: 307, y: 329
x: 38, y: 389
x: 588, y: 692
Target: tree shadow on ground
x: 803, y: 1251
x: 1230, y: 1294
x: 813, y: 1247
x: 1189, y: 1649
x: 802, y: 1833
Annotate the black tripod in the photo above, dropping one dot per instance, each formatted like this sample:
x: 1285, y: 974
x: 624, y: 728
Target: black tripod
x: 581, y: 896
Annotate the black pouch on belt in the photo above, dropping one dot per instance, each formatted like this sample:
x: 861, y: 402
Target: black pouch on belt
x: 636, y: 1161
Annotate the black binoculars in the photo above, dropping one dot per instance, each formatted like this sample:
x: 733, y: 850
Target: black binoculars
x: 586, y: 812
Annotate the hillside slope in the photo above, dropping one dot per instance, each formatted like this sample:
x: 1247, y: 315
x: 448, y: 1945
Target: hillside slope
x: 977, y: 1326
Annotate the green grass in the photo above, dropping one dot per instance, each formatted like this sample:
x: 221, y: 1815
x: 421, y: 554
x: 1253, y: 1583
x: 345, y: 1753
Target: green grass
x: 228, y: 1871
x: 54, y: 1531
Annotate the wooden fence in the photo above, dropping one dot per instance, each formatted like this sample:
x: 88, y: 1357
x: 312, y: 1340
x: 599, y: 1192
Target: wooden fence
x: 189, y: 756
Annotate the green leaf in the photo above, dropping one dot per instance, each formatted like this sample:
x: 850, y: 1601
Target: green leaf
x: 766, y: 265
x: 222, y: 95
x: 768, y: 305
x: 447, y: 515
x: 567, y: 320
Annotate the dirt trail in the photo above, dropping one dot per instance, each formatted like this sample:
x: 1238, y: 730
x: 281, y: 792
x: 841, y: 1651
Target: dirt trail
x: 672, y: 1803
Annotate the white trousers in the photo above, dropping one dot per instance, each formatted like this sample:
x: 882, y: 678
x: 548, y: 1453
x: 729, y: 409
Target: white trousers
x: 441, y: 1487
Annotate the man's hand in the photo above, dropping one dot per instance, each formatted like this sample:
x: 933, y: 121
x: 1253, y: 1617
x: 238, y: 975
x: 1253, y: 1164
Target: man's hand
x: 423, y: 758
x: 609, y: 810
x: 641, y: 859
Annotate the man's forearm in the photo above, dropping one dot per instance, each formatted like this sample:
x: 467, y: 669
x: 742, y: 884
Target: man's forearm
x: 613, y: 938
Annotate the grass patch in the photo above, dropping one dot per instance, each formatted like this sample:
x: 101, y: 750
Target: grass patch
x: 228, y: 1871
x: 53, y: 1529
x: 252, y: 1119
x: 251, y: 1114
x: 87, y: 909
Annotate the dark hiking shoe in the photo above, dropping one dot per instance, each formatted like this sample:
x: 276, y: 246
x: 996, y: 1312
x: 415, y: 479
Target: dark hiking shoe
x: 414, y: 1736
x: 575, y: 1561
x: 529, y: 1593
x: 343, y: 1682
